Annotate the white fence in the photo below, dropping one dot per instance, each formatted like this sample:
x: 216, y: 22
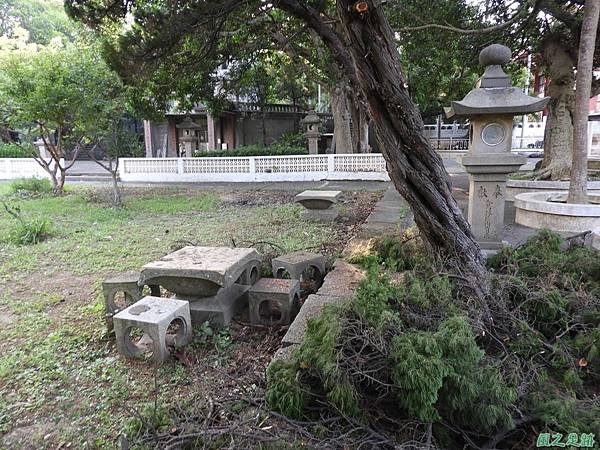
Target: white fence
x: 255, y: 168
x: 12, y: 168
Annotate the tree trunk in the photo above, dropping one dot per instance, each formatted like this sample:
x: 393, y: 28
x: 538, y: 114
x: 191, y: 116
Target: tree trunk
x: 117, y: 203
x: 415, y: 168
x: 558, y: 135
x: 59, y: 181
x: 585, y: 66
x: 342, y: 129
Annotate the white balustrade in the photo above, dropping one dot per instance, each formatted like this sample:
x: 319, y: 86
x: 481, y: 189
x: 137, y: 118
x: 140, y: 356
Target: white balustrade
x: 255, y: 168
x: 12, y: 168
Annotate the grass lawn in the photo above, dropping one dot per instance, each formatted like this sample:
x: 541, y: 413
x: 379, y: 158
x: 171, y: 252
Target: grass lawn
x: 61, y: 380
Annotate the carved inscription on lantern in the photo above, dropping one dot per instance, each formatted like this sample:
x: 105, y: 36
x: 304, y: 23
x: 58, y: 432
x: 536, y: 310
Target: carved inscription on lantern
x: 489, y: 200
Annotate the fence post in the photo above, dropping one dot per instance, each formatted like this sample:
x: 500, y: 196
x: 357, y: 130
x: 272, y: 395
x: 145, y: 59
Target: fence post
x: 252, y: 165
x: 331, y: 163
x: 180, y: 166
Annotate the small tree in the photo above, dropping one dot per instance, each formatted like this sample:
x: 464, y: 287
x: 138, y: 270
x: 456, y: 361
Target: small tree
x: 59, y: 95
x: 119, y: 143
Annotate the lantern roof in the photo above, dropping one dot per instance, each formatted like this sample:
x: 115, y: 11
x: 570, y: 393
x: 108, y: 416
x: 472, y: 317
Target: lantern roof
x: 494, y: 93
x: 188, y: 124
x: 311, y: 118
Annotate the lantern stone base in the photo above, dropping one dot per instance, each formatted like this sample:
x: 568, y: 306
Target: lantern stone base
x: 488, y: 173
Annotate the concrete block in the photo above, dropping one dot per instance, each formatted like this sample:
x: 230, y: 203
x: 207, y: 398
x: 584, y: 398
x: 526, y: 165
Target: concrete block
x: 127, y: 284
x: 153, y: 315
x: 284, y: 353
x: 320, y: 215
x: 596, y: 239
x: 274, y: 301
x: 296, y: 263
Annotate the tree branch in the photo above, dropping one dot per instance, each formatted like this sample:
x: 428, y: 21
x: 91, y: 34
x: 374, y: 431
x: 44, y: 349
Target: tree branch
x: 522, y: 12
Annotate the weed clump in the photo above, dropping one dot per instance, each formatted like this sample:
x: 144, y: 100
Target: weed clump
x: 413, y: 357
x: 26, y: 230
x: 30, y: 187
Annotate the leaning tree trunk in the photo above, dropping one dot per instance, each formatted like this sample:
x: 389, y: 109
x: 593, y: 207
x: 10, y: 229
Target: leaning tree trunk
x: 342, y: 115
x: 369, y: 58
x: 415, y: 168
x: 558, y: 135
x: 585, y: 65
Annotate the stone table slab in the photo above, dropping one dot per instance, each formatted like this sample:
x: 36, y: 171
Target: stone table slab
x: 199, y: 271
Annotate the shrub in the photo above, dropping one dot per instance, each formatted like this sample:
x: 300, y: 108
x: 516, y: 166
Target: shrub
x: 288, y: 144
x: 31, y: 186
x: 9, y: 150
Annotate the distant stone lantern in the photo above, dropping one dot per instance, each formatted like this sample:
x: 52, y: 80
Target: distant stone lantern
x: 490, y: 108
x: 188, y: 139
x: 312, y: 122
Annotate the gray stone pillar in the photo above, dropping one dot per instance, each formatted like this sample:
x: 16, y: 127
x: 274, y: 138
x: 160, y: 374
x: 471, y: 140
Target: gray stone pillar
x: 148, y: 138
x: 210, y: 125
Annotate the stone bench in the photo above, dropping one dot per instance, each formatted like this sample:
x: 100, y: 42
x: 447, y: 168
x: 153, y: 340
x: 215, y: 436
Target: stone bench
x: 319, y: 205
x: 153, y: 315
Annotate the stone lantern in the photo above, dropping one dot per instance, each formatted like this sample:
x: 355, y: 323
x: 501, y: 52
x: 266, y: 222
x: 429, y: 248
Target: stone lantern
x: 490, y: 108
x: 312, y: 122
x: 188, y: 139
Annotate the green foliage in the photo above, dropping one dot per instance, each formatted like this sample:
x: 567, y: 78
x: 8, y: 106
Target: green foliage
x: 437, y: 364
x: 8, y: 150
x: 44, y: 20
x: 284, y: 392
x: 30, y: 187
x: 67, y: 91
x: 542, y: 253
x: 289, y: 144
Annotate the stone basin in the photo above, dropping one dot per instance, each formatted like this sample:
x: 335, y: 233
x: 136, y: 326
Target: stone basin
x: 318, y: 199
x: 197, y: 272
x: 550, y: 210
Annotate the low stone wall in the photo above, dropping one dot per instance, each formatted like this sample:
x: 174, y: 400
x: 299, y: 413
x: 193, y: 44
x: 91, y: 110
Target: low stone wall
x: 515, y: 187
x: 534, y: 210
x: 338, y: 287
x: 596, y: 239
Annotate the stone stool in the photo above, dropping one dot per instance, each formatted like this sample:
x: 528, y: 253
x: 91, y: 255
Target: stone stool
x: 272, y: 295
x: 127, y: 283
x: 296, y: 263
x: 319, y: 205
x: 251, y: 274
x: 153, y: 315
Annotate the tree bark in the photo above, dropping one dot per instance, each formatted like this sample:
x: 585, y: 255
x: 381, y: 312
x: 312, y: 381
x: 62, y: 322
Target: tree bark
x: 558, y: 135
x: 585, y: 65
